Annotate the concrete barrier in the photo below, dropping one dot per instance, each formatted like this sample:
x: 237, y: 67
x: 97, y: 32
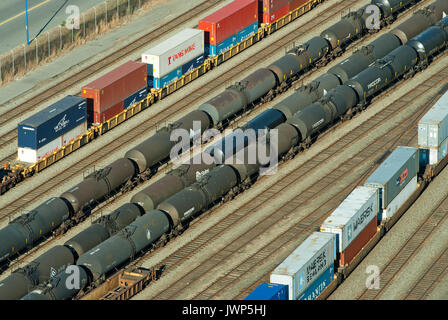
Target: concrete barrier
x: 54, y: 42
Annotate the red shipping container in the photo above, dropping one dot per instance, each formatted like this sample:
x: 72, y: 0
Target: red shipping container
x: 103, y: 116
x: 274, y: 10
x: 229, y: 20
x: 294, y: 4
x: 115, y: 86
x: 360, y: 241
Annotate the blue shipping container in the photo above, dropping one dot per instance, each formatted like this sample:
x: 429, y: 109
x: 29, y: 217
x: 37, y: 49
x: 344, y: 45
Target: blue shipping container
x: 223, y: 46
x: 247, y: 32
x: 52, y: 122
x: 269, y: 291
x: 319, y: 285
x: 193, y: 64
x: 136, y: 97
x: 167, y: 79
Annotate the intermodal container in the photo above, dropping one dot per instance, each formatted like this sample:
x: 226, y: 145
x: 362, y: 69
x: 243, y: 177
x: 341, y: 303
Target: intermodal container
x: 394, y: 173
x: 294, y: 4
x: 158, y: 83
x: 350, y: 218
x: 307, y: 262
x: 269, y: 291
x: 437, y: 154
x: 360, y: 241
x: 52, y: 122
x: 247, y: 32
x: 174, y: 52
x: 193, y: 64
x: 113, y: 88
x: 101, y: 117
x: 400, y: 199
x: 274, y: 10
x: 135, y: 97
x: 33, y: 155
x: 319, y: 285
x: 214, y: 50
x: 433, y: 126
x: 229, y: 20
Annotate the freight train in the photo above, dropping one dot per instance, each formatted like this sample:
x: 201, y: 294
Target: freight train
x: 190, y: 201
x: 143, y: 160
x: 123, y: 87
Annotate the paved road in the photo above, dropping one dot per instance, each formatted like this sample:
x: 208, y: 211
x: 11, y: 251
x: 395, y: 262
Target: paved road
x: 42, y: 16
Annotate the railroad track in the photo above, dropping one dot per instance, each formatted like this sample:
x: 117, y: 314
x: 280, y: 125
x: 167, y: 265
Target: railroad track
x: 32, y: 103
x: 150, y: 124
x: 11, y: 136
x: 430, y: 278
x: 414, y: 243
x: 182, y: 104
x: 288, y: 238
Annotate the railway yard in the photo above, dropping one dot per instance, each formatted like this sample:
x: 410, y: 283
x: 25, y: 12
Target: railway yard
x: 233, y: 245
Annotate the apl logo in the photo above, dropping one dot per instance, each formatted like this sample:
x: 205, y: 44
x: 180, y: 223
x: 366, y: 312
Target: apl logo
x: 402, y: 177
x: 61, y: 124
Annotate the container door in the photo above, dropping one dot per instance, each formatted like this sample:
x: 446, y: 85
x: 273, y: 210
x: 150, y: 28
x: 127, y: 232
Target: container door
x: 423, y: 135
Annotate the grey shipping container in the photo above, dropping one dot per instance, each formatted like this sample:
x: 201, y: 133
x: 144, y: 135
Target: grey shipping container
x: 52, y: 122
x: 394, y: 173
x: 433, y: 127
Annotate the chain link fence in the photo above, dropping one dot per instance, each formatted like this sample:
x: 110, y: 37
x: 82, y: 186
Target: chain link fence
x: 50, y: 44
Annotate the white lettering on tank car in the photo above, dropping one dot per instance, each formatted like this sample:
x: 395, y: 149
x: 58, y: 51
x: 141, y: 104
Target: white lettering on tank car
x: 95, y: 251
x: 318, y: 123
x: 148, y: 234
x: 374, y: 83
x: 188, y: 212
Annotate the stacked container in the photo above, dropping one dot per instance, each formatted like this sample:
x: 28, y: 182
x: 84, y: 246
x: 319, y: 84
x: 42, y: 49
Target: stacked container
x: 318, y: 286
x: 433, y: 131
x: 306, y: 264
x: 108, y: 95
x: 354, y: 222
x: 48, y: 130
x: 229, y: 25
x: 274, y: 10
x: 396, y: 179
x: 174, y: 57
x: 269, y: 291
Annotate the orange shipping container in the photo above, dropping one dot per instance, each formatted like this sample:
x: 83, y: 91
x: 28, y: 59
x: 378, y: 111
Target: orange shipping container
x: 360, y: 241
x: 114, y: 87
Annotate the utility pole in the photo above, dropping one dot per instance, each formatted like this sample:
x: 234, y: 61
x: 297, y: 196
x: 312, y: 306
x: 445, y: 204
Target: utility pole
x: 26, y: 14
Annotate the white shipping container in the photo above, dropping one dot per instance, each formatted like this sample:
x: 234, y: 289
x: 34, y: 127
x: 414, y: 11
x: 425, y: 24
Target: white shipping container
x: 433, y: 127
x: 74, y: 133
x: 33, y: 155
x: 350, y: 218
x: 437, y: 154
x: 400, y: 199
x: 308, y: 261
x: 174, y: 52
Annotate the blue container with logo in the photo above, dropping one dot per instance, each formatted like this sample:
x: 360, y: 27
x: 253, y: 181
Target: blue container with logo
x: 269, y: 291
x: 193, y: 64
x: 158, y: 83
x: 135, y: 97
x: 221, y: 47
x: 319, y: 285
x: 52, y: 122
x: 247, y: 32
x: 394, y: 173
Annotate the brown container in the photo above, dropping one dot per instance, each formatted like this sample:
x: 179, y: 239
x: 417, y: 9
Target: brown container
x: 294, y: 4
x: 112, y: 88
x: 361, y: 240
x: 101, y: 117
